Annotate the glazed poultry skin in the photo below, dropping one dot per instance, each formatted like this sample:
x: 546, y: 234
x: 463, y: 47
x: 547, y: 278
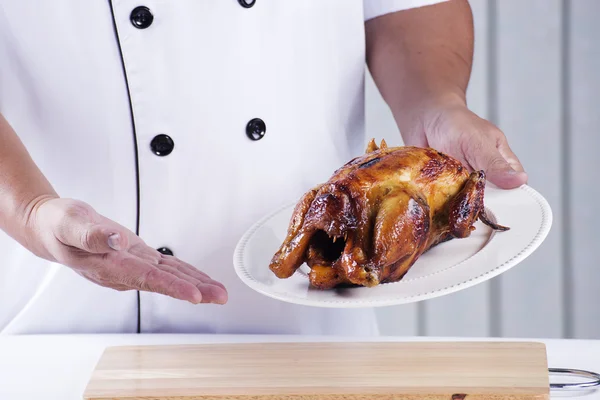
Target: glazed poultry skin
x: 378, y: 214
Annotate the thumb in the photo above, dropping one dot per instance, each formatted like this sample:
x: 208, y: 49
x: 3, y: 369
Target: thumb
x: 103, y: 238
x: 84, y: 229
x: 497, y: 168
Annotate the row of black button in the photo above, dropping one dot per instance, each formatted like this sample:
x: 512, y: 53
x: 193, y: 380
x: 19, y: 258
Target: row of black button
x: 141, y: 17
x: 162, y: 145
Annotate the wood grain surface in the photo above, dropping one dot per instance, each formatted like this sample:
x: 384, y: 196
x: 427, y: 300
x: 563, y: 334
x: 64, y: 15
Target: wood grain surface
x: 331, y: 371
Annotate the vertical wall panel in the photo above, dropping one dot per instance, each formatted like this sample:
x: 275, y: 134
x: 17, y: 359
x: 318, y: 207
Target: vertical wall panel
x: 529, y: 105
x: 466, y: 313
x: 380, y: 124
x: 584, y: 133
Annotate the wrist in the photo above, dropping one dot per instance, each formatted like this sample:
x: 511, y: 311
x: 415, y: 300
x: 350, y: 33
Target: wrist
x: 31, y: 233
x: 416, y: 118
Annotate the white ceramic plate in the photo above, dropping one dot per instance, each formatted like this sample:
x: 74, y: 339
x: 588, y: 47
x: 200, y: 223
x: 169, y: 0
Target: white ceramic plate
x: 446, y: 268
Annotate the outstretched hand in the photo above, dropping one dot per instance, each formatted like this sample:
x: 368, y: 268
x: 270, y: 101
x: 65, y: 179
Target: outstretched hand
x: 474, y: 141
x: 72, y: 233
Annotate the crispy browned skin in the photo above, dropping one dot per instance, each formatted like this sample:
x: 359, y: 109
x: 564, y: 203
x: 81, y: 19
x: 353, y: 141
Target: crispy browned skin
x: 377, y: 214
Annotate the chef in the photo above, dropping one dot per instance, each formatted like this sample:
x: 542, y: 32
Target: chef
x: 140, y: 139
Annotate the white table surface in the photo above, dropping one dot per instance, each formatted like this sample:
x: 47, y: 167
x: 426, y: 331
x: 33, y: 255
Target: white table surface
x: 58, y: 367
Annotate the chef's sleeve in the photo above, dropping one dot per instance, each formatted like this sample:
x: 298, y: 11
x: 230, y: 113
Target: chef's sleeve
x: 375, y: 8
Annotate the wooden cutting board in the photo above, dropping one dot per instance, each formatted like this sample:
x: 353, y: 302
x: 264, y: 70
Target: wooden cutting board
x: 329, y: 371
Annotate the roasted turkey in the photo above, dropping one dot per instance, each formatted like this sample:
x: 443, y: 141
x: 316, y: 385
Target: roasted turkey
x: 378, y: 214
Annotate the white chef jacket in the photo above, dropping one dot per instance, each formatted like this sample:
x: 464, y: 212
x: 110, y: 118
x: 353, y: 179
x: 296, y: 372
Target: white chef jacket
x: 259, y: 100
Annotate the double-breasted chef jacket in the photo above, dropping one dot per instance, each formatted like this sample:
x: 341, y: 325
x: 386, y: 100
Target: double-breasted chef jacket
x: 185, y: 121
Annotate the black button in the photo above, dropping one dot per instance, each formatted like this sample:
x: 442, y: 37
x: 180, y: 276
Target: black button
x: 247, y: 3
x: 141, y: 17
x: 162, y: 145
x: 166, y: 251
x: 256, y: 129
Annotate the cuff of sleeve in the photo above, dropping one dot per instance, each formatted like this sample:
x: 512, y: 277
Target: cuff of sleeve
x: 376, y: 8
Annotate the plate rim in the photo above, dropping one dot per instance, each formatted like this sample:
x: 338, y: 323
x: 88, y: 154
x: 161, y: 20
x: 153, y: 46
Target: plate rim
x: 541, y: 234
